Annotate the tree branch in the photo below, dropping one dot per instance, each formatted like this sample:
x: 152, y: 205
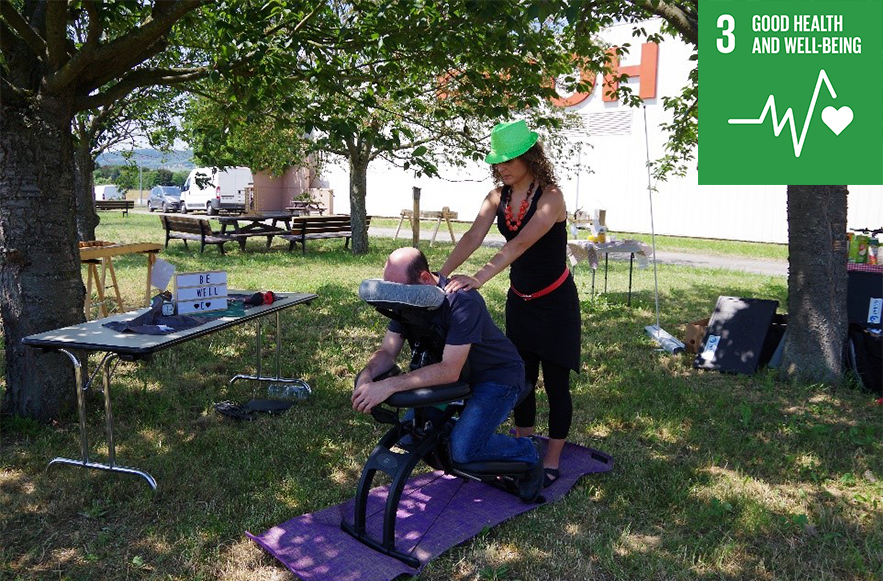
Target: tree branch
x: 95, y: 28
x: 17, y: 92
x: 137, y: 79
x: 99, y: 119
x: 56, y: 33
x: 299, y: 25
x: 92, y: 82
x: 153, y: 28
x: 378, y: 152
x: 136, y: 47
x: 676, y: 16
x: 8, y: 39
x: 15, y: 21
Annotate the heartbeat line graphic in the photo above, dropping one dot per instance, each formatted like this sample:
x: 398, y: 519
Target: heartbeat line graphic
x: 828, y: 113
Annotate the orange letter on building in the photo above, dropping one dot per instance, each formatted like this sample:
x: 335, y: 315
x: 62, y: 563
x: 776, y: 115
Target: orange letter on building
x: 646, y: 73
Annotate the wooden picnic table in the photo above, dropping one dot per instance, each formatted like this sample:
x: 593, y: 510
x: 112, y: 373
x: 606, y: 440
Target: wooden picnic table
x: 244, y: 226
x: 301, y: 208
x: 248, y: 225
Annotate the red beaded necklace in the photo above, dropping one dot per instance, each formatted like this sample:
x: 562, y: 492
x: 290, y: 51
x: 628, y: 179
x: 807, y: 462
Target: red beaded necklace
x: 515, y: 224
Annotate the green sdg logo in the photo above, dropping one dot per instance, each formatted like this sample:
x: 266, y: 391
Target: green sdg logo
x: 792, y: 92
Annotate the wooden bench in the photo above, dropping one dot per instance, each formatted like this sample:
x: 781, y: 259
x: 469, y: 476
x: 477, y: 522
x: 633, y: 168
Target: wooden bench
x: 186, y: 228
x: 124, y: 205
x: 305, y: 228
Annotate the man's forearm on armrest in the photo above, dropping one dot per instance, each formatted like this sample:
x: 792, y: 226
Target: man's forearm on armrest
x: 435, y: 374
x: 446, y: 371
x: 380, y: 362
x: 384, y: 358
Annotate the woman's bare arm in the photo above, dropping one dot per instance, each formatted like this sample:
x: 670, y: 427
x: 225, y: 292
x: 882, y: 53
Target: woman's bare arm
x: 550, y: 209
x: 471, y: 240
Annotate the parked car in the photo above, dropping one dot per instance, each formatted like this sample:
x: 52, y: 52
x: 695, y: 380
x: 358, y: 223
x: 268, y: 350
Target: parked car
x: 213, y: 190
x: 165, y: 198
x: 108, y: 192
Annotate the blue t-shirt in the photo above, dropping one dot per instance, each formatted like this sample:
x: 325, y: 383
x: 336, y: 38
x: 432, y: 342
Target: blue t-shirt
x: 465, y: 320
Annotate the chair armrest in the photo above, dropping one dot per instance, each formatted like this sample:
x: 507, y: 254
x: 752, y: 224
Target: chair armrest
x: 425, y: 396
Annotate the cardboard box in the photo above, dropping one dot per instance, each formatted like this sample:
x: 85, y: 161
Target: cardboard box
x: 694, y: 333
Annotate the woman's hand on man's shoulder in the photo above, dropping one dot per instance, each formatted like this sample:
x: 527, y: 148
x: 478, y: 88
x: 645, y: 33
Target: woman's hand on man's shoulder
x: 462, y: 282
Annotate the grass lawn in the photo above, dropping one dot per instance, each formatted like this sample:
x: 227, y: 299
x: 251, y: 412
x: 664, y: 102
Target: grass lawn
x: 758, y: 250
x: 716, y: 476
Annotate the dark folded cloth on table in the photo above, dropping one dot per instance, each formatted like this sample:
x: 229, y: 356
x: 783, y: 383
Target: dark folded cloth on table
x: 154, y: 323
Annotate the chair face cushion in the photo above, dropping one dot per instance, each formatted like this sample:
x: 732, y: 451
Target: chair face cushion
x: 392, y: 295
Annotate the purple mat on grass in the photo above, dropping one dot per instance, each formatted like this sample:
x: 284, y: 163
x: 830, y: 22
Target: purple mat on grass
x: 436, y: 512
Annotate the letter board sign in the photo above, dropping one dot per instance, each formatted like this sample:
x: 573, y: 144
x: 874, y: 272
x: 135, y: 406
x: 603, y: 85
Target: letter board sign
x: 201, y: 292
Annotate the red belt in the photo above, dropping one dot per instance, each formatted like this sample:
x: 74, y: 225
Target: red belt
x: 544, y: 291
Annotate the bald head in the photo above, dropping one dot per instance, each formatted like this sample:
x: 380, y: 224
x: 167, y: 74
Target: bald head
x: 408, y: 266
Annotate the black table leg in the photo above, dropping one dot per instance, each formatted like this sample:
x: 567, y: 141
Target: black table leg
x: 631, y: 264
x: 606, y: 258
x: 242, y: 239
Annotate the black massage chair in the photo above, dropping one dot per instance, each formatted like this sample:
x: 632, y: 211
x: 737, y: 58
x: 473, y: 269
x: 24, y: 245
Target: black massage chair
x: 425, y: 436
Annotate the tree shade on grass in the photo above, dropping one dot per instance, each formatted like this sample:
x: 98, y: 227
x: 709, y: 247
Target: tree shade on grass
x: 716, y: 476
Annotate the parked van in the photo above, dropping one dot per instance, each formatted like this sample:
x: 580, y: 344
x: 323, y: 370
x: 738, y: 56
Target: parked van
x: 108, y: 192
x: 213, y: 190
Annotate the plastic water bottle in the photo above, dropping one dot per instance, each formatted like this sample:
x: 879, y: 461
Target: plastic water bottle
x: 299, y: 390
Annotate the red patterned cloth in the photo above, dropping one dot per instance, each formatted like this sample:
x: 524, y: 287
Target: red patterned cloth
x: 865, y: 267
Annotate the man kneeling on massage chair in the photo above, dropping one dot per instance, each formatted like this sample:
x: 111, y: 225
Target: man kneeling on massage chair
x: 495, y: 372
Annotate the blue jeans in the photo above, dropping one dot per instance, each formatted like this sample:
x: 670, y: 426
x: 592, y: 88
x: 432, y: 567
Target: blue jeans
x: 474, y: 438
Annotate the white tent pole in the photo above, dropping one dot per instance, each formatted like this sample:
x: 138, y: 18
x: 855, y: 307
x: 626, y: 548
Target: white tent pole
x: 652, y: 227
x: 579, y: 171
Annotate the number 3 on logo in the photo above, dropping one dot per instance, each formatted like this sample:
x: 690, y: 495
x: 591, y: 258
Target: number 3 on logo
x: 728, y: 43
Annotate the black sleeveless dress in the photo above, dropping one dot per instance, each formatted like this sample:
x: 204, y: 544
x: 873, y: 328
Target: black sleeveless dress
x: 549, y: 325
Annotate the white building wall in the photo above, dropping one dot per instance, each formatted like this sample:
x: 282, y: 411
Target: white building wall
x: 618, y: 178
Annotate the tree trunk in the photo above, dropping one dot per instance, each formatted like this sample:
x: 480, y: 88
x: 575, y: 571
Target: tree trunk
x: 817, y: 322
x: 358, y: 193
x: 84, y: 165
x: 40, y: 283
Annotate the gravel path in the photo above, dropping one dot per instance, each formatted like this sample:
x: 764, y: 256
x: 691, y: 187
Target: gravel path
x: 765, y: 266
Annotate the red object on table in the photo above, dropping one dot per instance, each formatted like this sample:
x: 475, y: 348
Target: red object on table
x: 260, y: 298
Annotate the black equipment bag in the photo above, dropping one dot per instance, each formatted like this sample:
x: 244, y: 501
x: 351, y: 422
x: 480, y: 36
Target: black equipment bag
x: 864, y: 298
x: 864, y: 355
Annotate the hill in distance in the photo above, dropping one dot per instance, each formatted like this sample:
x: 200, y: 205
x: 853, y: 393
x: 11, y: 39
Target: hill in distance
x: 174, y: 160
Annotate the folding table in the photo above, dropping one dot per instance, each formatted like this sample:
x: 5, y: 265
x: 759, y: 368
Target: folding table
x: 585, y: 250
x: 93, y: 336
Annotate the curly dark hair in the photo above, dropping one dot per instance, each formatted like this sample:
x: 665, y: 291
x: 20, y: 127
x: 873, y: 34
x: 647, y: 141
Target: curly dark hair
x: 537, y: 164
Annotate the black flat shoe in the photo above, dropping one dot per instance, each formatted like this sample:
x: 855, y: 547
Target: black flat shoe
x: 234, y: 410
x: 550, y: 475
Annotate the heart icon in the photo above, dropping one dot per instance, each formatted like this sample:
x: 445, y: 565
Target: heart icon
x: 208, y: 304
x: 837, y: 119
